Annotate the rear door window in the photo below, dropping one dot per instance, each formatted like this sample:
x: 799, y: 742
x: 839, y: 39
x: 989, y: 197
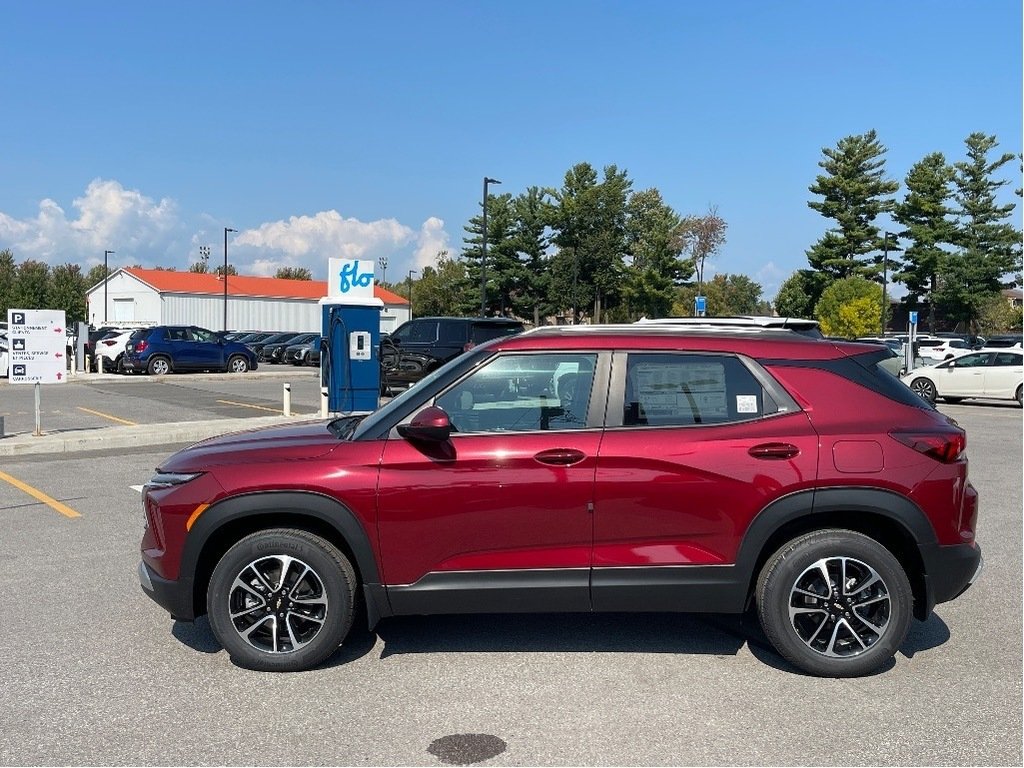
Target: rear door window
x: 486, y: 331
x: 422, y: 332
x: 453, y: 332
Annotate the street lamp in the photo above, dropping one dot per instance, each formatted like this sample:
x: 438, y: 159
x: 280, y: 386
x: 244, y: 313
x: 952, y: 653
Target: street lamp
x: 204, y: 255
x: 885, y: 277
x: 483, y: 258
x: 106, y: 276
x: 409, y: 284
x: 383, y: 261
x: 226, y: 230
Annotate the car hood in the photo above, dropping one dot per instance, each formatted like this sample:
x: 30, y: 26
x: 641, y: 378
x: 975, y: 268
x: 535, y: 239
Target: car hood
x: 288, y: 442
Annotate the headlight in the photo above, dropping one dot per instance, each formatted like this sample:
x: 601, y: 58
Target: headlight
x: 167, y: 479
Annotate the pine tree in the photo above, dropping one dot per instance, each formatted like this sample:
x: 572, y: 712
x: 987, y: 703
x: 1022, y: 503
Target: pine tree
x: 925, y: 215
x: 855, y: 192
x: 503, y: 269
x: 988, y: 246
x: 653, y: 241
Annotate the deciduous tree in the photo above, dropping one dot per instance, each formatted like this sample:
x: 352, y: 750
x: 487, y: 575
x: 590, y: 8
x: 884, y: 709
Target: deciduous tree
x: 67, y: 291
x: 8, y: 276
x: 293, y: 273
x: 850, y: 307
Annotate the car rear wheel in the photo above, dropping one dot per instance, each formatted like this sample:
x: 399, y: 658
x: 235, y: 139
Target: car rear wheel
x: 1020, y: 396
x: 238, y: 364
x: 925, y: 388
x: 281, y: 600
x: 835, y: 603
x: 158, y: 366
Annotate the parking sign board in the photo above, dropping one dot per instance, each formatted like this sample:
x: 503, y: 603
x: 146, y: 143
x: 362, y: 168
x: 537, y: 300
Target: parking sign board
x: 38, y: 346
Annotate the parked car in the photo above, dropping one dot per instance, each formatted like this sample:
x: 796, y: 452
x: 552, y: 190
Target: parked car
x: 1004, y: 341
x: 170, y: 348
x: 275, y: 338
x: 424, y: 344
x: 255, y: 338
x: 894, y: 344
x: 945, y: 349
x: 110, y: 348
x: 989, y: 373
x: 5, y: 357
x: 303, y: 354
x: 274, y: 353
x: 589, y: 468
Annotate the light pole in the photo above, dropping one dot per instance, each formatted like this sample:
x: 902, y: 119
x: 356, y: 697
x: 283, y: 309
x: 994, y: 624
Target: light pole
x: 383, y: 261
x: 106, y: 280
x: 483, y: 257
x: 204, y: 255
x: 226, y: 230
x: 885, y: 277
x: 409, y: 284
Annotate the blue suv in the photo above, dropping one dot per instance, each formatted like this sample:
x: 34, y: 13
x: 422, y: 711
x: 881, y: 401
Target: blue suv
x: 167, y: 348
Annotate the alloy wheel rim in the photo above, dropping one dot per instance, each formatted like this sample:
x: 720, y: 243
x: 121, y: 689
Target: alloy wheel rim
x: 160, y: 366
x: 278, y: 604
x: 924, y: 388
x: 839, y: 607
x: 238, y: 365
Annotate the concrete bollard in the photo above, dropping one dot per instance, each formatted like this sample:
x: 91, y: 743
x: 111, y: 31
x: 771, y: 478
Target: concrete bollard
x: 323, y: 402
x: 287, y: 399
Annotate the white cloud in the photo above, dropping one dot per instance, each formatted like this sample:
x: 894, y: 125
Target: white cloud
x: 432, y: 240
x: 770, y: 278
x: 108, y: 216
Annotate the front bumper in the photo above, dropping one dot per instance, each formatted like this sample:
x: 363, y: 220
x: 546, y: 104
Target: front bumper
x: 173, y: 596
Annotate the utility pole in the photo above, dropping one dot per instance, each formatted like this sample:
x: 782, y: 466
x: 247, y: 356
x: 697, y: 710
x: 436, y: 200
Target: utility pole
x: 226, y: 230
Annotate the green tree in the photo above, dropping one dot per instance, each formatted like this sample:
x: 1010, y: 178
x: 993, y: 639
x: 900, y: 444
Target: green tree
x: 924, y: 214
x: 8, y: 276
x: 857, y: 295
x: 444, y: 289
x: 503, y: 269
x: 999, y: 316
x: 653, y: 241
x: 67, y: 291
x: 854, y: 193
x: 726, y: 295
x: 293, y: 273
x: 31, y: 285
x: 988, y: 246
x: 95, y: 275
x: 532, y: 211
x: 218, y: 271
x: 799, y: 294
x: 199, y: 267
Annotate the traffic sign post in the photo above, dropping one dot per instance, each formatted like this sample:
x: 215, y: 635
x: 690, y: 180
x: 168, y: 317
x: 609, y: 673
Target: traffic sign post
x: 700, y: 305
x: 38, y: 353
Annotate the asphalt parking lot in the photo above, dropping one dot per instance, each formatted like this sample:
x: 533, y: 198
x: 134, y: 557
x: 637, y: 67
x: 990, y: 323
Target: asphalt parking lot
x: 95, y: 673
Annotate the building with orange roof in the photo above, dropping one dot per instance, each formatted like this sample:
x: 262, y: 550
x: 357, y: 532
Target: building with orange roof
x: 133, y: 296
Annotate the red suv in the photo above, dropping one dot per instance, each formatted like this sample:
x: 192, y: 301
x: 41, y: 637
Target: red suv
x: 618, y: 468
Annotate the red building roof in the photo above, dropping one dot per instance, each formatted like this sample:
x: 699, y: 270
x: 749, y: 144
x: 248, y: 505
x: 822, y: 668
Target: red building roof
x: 209, y: 284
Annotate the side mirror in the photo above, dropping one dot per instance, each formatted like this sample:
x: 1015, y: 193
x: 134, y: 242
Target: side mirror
x: 430, y: 425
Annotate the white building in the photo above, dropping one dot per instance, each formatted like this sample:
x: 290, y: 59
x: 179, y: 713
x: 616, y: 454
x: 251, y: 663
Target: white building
x: 136, y: 296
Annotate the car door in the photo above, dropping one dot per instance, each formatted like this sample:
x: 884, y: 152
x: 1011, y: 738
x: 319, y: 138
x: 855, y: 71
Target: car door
x: 1004, y: 374
x: 695, y: 446
x: 498, y: 516
x: 205, y: 349
x: 963, y: 376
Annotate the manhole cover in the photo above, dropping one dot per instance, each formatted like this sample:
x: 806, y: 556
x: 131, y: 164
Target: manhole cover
x: 466, y: 748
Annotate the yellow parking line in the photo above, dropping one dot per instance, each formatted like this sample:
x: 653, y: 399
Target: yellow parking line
x: 108, y: 416
x: 40, y: 496
x: 250, y: 405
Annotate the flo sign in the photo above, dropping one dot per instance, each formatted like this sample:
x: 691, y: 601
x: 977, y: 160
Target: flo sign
x: 350, y: 279
x: 38, y: 346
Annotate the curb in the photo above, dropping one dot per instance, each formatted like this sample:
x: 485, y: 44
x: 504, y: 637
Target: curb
x: 137, y: 436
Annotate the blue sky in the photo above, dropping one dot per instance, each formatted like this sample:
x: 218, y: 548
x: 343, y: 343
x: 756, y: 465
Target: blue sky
x: 330, y: 129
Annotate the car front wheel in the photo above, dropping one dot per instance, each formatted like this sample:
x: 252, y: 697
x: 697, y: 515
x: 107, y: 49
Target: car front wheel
x: 281, y: 600
x: 925, y: 388
x: 835, y: 603
x: 238, y: 364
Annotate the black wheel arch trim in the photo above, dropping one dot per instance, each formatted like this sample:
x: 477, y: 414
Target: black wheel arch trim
x: 810, y: 503
x: 323, y: 508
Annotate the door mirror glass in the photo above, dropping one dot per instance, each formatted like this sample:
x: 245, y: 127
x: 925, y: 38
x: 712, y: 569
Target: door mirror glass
x: 431, y: 425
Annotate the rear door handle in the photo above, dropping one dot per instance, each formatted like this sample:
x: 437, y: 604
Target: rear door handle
x: 774, y: 451
x: 560, y: 457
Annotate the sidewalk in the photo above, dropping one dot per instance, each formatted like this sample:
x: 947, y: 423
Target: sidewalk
x: 137, y: 436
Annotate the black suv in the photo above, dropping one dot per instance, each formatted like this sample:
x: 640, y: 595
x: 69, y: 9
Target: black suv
x: 419, y: 346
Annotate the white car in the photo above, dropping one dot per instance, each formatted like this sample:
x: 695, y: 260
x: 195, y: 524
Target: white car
x: 989, y: 373
x: 111, y: 347
x: 4, y: 358
x: 945, y: 349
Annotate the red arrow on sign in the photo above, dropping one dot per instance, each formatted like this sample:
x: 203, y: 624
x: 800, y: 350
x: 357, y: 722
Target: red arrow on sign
x: 58, y: 354
x: 57, y: 330
x: 60, y: 376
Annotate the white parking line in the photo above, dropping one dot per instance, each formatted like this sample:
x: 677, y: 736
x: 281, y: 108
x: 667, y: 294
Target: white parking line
x: 136, y: 488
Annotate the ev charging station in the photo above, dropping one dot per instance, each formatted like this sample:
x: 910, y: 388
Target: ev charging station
x: 910, y: 350
x: 349, y: 360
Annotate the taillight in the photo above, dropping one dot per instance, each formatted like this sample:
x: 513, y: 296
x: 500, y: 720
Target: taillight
x: 946, y: 447
x: 109, y: 343
x: 141, y: 346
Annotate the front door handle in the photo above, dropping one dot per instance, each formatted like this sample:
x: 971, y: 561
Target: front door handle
x: 774, y: 451
x: 561, y: 457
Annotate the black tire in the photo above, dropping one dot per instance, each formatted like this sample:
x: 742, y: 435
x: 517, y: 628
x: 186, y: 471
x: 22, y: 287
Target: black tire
x: 953, y: 400
x: 237, y: 364
x: 924, y: 387
x: 857, y: 633
x: 158, y: 366
x: 315, y: 625
x: 1020, y: 395
x: 120, y: 364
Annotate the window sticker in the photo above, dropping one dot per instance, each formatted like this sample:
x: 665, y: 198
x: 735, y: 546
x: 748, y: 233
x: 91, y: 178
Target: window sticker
x: 670, y: 390
x: 746, y: 403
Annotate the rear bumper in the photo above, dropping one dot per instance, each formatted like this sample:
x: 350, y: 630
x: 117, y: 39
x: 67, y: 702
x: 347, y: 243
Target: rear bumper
x: 949, y: 572
x: 173, y: 596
